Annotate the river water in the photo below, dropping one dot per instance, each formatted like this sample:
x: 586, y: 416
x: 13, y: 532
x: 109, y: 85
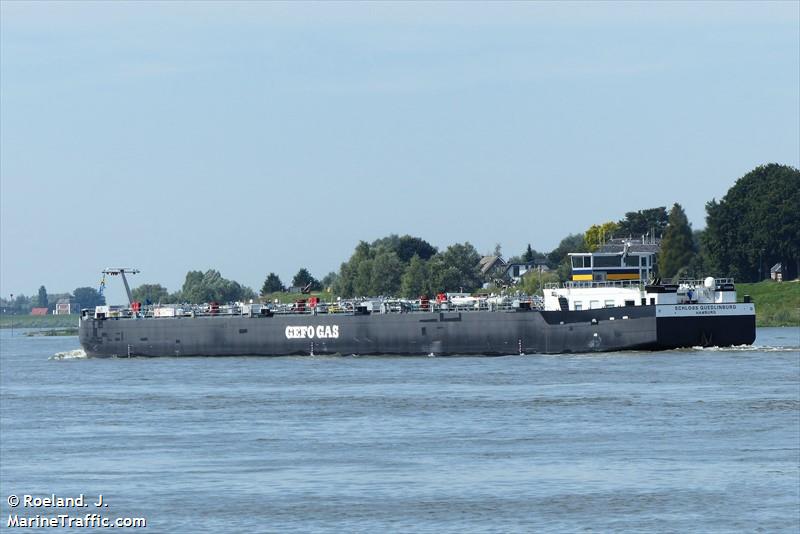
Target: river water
x: 704, y: 440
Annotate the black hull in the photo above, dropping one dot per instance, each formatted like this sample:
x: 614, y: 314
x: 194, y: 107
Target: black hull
x: 441, y: 333
x: 675, y: 332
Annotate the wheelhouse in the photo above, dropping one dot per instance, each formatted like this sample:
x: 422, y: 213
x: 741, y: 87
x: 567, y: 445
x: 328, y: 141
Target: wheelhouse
x: 605, y: 266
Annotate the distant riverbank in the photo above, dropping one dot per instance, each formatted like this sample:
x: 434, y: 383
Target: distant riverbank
x: 777, y: 304
x: 38, y: 321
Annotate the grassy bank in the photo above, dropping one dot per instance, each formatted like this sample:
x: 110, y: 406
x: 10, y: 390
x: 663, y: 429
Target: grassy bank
x: 38, y: 321
x: 777, y: 304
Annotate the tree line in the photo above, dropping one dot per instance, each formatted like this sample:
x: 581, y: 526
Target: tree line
x: 754, y: 226
x: 211, y: 286
x: 409, y: 267
x: 81, y: 297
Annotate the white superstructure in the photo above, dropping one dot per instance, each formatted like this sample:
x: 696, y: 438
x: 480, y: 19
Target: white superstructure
x: 590, y: 295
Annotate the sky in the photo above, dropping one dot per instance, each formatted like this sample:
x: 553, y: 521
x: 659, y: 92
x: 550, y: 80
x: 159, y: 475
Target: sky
x: 252, y: 137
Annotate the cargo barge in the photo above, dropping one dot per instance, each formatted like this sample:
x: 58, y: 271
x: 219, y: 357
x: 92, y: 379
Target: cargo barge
x: 605, y: 307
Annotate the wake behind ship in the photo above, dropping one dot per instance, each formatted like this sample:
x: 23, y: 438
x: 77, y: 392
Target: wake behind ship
x: 605, y: 307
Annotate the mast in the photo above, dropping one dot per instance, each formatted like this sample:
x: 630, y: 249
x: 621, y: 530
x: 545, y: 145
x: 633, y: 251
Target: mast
x: 114, y: 271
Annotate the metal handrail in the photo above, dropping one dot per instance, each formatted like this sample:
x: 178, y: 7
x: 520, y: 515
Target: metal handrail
x: 602, y: 283
x: 632, y: 283
x: 701, y: 283
x: 349, y: 307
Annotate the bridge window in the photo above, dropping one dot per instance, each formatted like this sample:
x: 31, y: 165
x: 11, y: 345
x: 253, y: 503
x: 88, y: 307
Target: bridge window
x: 581, y: 262
x: 632, y: 261
x: 606, y: 261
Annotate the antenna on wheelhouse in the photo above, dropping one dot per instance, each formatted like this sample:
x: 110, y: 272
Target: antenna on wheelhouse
x: 114, y: 271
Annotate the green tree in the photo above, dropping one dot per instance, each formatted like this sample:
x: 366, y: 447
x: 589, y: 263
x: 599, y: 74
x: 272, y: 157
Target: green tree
x: 329, y: 281
x: 446, y: 278
x: 408, y: 247
x: 362, y: 283
x: 533, y: 281
x: 23, y: 304
x: 19, y: 304
x: 150, y: 293
x: 386, y: 272
x: 344, y: 282
x: 88, y: 297
x: 414, y: 282
x: 349, y: 271
x: 272, y: 284
x: 558, y: 259
x: 571, y: 243
x: 390, y: 242
x: 528, y: 256
x: 455, y: 269
x: 756, y: 224
x: 210, y: 286
x: 677, y: 246
x: 41, y: 301
x: 377, y: 268
x: 242, y: 293
x: 643, y: 222
x: 598, y: 234
x: 303, y: 278
x: 193, y: 288
x: 700, y: 265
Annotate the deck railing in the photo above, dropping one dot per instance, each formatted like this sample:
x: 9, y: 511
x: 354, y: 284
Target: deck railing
x: 597, y: 283
x: 349, y: 307
x: 635, y: 283
x: 701, y: 283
